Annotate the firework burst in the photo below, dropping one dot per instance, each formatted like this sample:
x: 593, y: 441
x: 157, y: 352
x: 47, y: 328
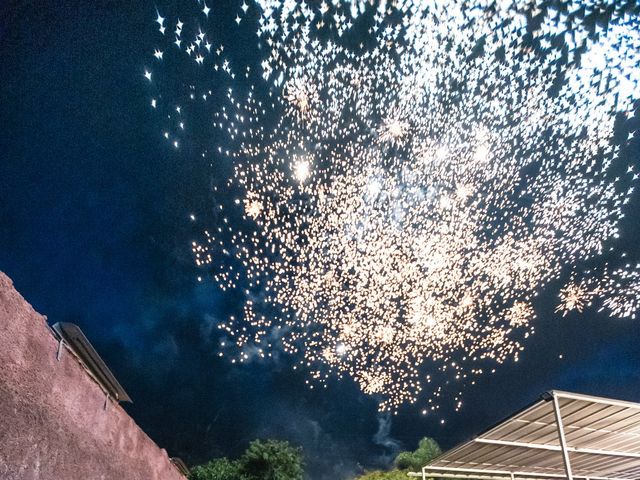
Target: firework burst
x: 405, y: 199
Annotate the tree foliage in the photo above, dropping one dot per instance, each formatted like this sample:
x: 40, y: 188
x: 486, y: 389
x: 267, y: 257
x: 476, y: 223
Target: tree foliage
x: 216, y: 469
x: 272, y: 460
x: 263, y: 460
x: 384, y: 475
x: 427, y: 450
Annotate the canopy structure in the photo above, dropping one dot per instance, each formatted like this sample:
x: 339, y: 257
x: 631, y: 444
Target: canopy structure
x: 563, y: 435
x: 89, y: 358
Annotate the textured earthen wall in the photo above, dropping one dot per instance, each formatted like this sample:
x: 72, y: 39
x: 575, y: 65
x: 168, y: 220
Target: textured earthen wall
x: 52, y: 422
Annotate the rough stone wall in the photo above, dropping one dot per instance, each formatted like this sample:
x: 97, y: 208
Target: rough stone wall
x: 52, y: 422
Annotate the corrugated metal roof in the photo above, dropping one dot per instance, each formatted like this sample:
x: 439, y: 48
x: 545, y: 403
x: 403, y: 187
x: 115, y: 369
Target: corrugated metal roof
x: 601, y: 436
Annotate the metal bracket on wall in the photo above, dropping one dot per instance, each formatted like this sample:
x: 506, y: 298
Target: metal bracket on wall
x: 59, y: 354
x: 106, y: 401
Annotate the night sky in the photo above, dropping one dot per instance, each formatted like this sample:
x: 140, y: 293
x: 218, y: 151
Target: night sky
x: 95, y: 230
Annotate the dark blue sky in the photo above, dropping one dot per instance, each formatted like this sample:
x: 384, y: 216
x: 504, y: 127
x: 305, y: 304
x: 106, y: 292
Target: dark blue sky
x: 94, y: 230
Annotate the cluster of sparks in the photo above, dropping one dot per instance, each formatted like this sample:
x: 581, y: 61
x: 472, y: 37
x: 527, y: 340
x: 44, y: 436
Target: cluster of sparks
x: 409, y: 176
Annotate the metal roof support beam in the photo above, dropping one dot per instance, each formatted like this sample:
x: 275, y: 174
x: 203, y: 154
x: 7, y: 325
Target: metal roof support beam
x: 561, y: 437
x: 556, y: 448
x: 452, y: 472
x: 593, y: 399
x: 462, y: 476
x: 472, y: 476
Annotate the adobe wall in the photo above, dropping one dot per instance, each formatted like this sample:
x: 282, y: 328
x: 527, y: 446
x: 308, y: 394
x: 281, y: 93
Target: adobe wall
x: 52, y: 422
